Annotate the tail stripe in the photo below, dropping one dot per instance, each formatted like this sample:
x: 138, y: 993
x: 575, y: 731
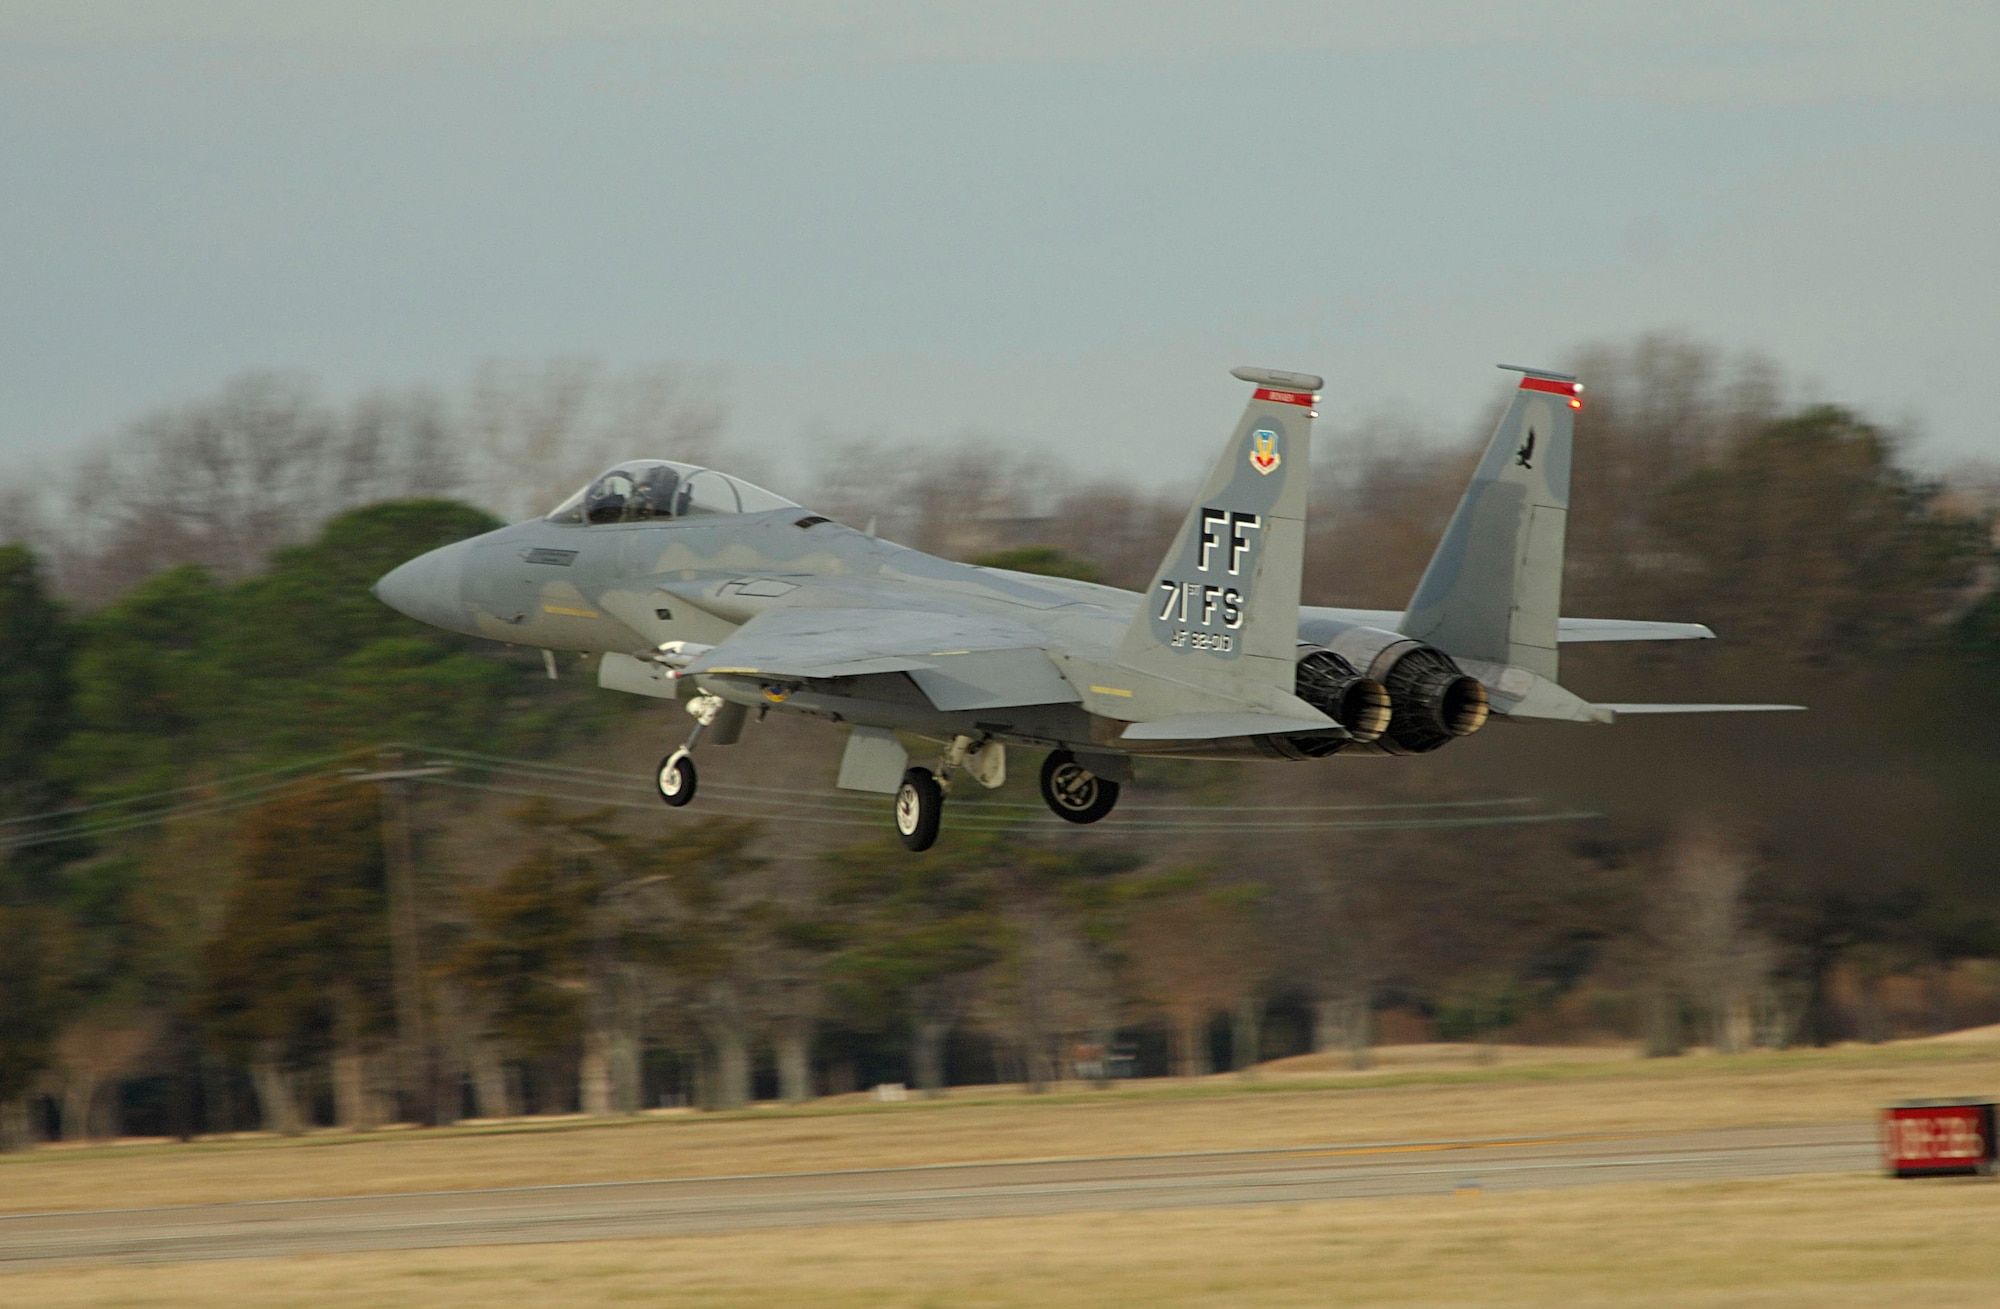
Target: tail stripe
x: 1303, y: 399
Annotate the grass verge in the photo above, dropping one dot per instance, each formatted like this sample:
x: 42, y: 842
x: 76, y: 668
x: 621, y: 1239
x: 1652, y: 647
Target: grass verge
x: 1831, y: 1243
x: 1527, y: 1093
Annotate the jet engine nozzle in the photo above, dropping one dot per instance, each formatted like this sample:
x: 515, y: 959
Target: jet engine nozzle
x: 1332, y: 685
x: 1432, y: 702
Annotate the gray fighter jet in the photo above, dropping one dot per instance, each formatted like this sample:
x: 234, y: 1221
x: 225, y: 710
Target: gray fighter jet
x: 697, y: 587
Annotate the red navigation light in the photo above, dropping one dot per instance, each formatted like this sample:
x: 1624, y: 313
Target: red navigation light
x: 1571, y: 391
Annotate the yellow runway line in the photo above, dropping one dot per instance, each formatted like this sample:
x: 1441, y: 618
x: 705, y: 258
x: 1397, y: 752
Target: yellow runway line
x: 1426, y: 1147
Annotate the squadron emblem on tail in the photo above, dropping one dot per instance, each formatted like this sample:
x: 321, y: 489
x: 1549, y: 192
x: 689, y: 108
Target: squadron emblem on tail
x: 1264, y: 455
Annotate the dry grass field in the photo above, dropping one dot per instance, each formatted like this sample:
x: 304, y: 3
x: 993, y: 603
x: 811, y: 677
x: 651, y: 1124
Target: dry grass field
x: 1415, y: 1093
x: 1829, y: 1243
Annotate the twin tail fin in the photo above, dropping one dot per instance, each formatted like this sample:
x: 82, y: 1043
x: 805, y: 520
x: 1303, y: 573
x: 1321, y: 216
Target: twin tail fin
x: 1493, y: 590
x: 1222, y: 613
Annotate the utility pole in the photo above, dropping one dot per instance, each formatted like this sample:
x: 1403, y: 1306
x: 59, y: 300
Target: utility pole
x: 420, y: 1068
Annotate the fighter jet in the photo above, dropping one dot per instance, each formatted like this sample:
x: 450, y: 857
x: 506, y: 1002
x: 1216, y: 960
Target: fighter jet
x: 697, y: 587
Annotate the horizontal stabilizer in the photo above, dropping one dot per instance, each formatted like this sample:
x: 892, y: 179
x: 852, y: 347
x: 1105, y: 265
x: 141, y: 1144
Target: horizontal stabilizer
x: 1214, y: 727
x: 1520, y: 694
x: 1567, y: 629
x: 1626, y: 629
x: 1620, y: 710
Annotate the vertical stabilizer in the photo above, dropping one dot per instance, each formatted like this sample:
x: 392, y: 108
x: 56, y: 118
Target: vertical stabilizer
x: 1222, y: 613
x: 1493, y: 590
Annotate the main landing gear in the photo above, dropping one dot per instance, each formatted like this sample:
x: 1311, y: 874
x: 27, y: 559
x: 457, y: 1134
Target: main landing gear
x: 1070, y: 790
x: 919, y: 809
x: 1074, y: 793
x: 920, y: 798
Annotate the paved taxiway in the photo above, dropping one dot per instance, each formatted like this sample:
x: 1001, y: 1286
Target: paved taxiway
x: 598, y: 1210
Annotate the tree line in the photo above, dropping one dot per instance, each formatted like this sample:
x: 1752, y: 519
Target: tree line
x: 196, y: 926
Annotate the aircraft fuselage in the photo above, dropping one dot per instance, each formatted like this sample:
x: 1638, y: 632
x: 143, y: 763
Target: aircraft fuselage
x: 631, y: 588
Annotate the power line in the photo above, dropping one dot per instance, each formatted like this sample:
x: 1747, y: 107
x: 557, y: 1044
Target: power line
x: 203, y: 809
x: 767, y: 804
x: 178, y: 790
x: 625, y: 781
x: 977, y: 822
x: 608, y: 802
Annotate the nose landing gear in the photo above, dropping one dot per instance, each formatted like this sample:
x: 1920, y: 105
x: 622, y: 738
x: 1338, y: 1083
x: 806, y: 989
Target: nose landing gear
x: 677, y: 777
x: 1074, y: 793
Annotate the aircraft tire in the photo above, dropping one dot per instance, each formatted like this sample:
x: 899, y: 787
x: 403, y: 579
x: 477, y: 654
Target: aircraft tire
x: 919, y: 807
x: 1072, y: 792
x: 677, y: 778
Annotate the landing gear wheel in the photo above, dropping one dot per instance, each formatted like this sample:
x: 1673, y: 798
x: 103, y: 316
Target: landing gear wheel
x: 1073, y: 792
x: 677, y: 778
x: 919, y: 806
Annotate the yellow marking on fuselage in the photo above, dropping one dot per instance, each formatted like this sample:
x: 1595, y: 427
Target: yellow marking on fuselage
x: 571, y: 613
x: 1111, y: 690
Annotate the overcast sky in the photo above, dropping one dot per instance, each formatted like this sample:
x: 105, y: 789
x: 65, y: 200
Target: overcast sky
x: 1056, y: 225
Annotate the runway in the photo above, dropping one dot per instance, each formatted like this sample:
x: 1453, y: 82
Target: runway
x: 602, y: 1210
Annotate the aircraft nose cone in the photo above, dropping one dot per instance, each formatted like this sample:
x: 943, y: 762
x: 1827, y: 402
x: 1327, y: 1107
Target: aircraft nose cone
x: 428, y: 588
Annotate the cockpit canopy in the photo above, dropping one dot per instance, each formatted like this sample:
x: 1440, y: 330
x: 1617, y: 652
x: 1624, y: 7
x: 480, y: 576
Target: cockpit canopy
x: 648, y: 490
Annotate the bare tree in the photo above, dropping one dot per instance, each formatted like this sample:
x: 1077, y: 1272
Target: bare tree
x: 608, y: 1074
x: 718, y: 1010
x: 277, y: 1090
x: 223, y: 481
x: 1123, y: 530
x: 1048, y: 991
x: 22, y: 517
x: 1380, y: 502
x: 1319, y: 913
x: 1718, y: 963
x: 1344, y: 982
x: 958, y: 500
x: 534, y: 433
x: 1190, y: 958
x: 95, y: 1050
x: 786, y: 972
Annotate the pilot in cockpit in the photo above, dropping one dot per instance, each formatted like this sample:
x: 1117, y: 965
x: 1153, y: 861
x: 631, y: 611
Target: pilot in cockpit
x: 653, y: 497
x: 655, y: 490
x: 609, y: 498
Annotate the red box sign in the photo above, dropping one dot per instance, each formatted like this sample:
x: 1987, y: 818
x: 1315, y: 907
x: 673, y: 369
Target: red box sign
x: 1938, y: 1138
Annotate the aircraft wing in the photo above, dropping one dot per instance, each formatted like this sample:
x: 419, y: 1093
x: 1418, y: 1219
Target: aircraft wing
x: 1567, y: 629
x: 960, y: 661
